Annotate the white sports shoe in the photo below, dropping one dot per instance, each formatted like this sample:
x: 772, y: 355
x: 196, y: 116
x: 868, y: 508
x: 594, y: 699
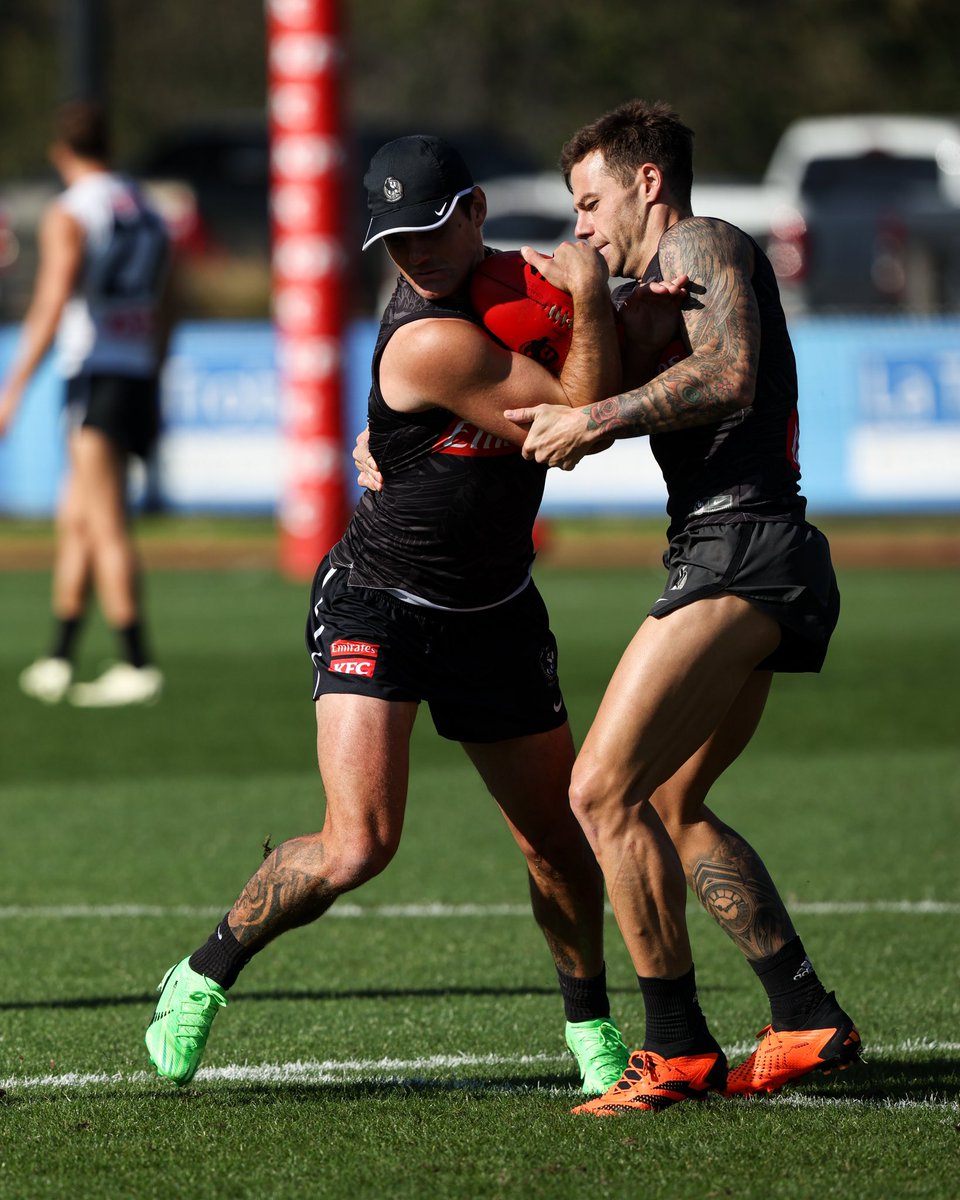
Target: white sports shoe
x: 47, y: 679
x: 118, y: 685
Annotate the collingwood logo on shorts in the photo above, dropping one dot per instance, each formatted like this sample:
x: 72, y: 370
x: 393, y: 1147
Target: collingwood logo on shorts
x: 548, y: 663
x: 681, y: 580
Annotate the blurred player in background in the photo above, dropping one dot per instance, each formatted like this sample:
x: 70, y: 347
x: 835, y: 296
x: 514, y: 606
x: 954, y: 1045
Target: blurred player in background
x: 428, y: 596
x: 750, y: 591
x: 98, y: 292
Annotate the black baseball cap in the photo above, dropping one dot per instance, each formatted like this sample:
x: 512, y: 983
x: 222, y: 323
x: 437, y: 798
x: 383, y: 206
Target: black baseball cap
x: 413, y: 183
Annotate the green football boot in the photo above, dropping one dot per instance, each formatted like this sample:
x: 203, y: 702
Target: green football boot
x: 178, y: 1033
x: 600, y: 1053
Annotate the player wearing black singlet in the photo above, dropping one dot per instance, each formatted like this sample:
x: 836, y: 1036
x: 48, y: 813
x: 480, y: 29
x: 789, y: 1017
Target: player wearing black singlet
x: 743, y: 466
x: 737, y: 516
x: 750, y: 590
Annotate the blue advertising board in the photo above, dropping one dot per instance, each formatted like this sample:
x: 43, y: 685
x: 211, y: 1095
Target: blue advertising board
x: 879, y: 413
x: 879, y: 420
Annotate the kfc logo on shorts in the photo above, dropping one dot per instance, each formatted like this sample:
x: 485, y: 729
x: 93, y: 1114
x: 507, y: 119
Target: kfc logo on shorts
x: 353, y: 666
x: 353, y: 658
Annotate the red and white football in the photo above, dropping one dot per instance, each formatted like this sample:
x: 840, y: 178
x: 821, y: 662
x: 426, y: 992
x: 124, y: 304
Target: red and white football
x: 522, y: 309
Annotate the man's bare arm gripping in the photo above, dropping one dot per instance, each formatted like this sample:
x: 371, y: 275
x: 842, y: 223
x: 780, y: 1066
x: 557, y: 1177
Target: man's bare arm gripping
x: 721, y: 326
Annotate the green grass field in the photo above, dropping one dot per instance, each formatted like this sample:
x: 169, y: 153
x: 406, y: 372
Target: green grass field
x: 410, y: 1044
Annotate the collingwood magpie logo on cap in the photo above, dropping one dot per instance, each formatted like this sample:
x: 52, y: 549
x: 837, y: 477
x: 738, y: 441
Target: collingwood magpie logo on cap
x: 413, y: 183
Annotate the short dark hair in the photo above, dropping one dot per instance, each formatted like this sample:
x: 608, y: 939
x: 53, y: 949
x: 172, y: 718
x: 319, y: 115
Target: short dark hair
x: 81, y: 125
x: 637, y: 132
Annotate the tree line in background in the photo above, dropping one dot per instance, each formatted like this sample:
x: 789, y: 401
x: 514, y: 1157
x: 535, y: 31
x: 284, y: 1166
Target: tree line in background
x: 530, y: 71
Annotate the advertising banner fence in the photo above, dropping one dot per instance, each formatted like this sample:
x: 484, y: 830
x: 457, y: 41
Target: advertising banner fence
x: 879, y: 425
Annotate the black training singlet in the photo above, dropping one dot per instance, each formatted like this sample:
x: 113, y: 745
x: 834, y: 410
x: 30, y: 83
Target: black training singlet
x: 744, y: 467
x: 453, y: 524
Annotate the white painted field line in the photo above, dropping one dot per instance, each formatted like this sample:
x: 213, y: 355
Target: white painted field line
x: 17, y: 912
x: 294, y: 1072
x: 829, y: 908
x: 804, y: 1100
x: 406, y: 1072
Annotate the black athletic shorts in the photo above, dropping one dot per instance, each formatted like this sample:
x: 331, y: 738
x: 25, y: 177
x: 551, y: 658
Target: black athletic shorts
x: 124, y: 407
x: 487, y: 675
x: 781, y: 567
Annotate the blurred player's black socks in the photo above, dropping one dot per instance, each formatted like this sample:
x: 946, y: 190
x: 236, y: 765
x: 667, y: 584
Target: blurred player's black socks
x: 133, y: 645
x: 65, y: 637
x: 675, y: 1022
x: 792, y: 986
x: 584, y: 999
x: 221, y: 958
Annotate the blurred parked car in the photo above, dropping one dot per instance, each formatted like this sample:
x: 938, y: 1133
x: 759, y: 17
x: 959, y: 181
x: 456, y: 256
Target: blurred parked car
x: 226, y: 165
x: 865, y: 213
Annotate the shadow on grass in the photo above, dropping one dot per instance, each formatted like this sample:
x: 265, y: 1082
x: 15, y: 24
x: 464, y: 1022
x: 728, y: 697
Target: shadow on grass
x: 880, y: 1083
x: 332, y: 994
x: 560, y: 1088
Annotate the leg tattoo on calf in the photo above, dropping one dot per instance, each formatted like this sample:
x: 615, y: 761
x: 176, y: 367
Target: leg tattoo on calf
x: 287, y: 891
x: 734, y: 887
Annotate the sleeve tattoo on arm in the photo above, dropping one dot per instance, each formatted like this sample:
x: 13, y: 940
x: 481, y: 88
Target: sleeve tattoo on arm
x: 722, y: 325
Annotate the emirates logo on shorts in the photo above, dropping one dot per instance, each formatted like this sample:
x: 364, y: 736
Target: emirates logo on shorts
x: 341, y: 646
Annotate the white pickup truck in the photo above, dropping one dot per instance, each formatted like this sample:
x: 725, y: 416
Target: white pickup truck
x: 858, y: 213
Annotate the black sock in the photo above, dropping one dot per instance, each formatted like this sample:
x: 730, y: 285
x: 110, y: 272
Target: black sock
x: 584, y: 999
x: 221, y: 958
x: 675, y: 1023
x: 791, y: 984
x: 65, y: 637
x: 133, y: 646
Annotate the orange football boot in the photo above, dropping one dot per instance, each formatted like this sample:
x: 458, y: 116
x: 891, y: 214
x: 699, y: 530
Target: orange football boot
x: 787, y: 1056
x: 652, y: 1083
